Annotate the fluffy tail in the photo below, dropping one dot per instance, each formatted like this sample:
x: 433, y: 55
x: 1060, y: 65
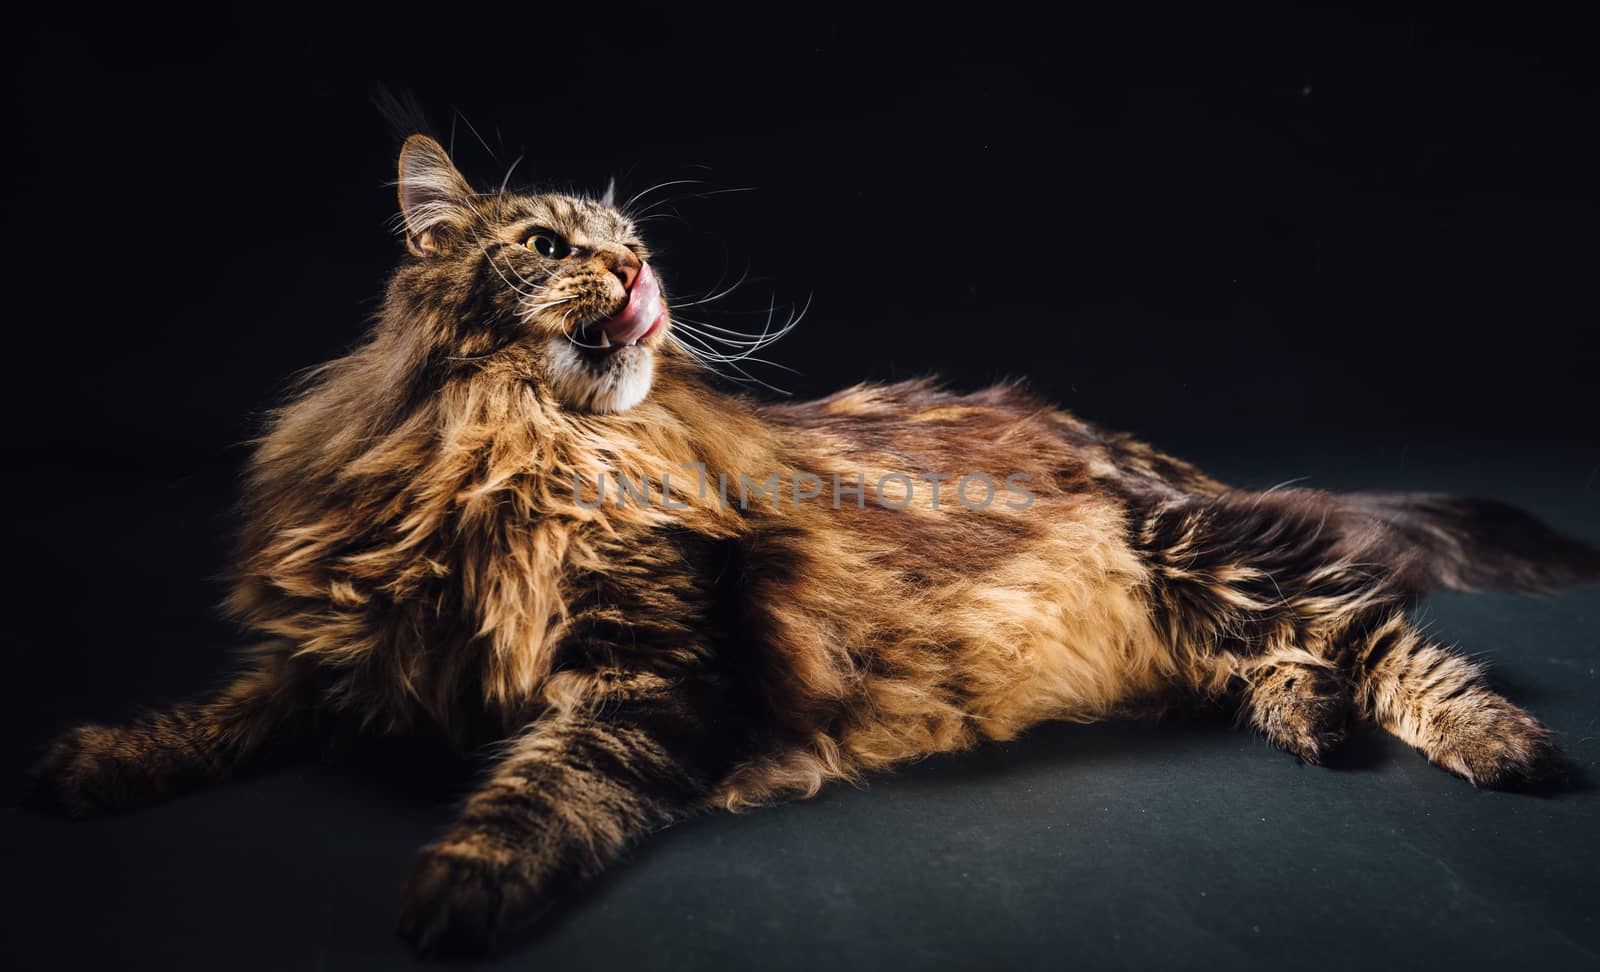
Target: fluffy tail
x: 1465, y: 543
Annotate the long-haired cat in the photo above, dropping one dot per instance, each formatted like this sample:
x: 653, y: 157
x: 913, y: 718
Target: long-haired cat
x: 520, y: 512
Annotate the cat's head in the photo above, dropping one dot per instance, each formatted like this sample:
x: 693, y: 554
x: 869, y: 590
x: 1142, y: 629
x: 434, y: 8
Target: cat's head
x: 563, y: 281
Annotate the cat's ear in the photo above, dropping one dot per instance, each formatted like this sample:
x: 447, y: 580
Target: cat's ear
x: 435, y: 200
x: 609, y: 198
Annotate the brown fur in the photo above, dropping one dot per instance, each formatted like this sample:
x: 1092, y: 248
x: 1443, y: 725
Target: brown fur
x: 413, y: 548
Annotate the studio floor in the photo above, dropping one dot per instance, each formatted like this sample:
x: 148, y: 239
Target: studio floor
x: 1179, y: 843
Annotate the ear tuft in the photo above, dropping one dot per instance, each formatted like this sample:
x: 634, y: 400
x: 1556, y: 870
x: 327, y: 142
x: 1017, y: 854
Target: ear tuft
x: 435, y: 199
x: 609, y: 198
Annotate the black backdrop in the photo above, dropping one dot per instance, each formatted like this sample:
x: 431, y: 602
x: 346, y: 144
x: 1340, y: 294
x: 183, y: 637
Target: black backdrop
x: 1199, y: 226
x: 1280, y: 240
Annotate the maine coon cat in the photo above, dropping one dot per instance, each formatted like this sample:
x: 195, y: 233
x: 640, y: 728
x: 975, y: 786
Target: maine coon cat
x: 520, y: 512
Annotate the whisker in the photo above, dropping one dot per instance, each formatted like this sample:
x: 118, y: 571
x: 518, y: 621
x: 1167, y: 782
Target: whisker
x: 507, y: 180
x: 496, y: 268
x: 743, y: 377
x: 716, y: 296
x: 660, y: 185
x: 730, y: 336
x: 742, y: 353
x: 474, y: 131
x: 545, y: 305
x: 534, y: 288
x: 742, y: 345
x: 708, y: 352
x: 691, y: 195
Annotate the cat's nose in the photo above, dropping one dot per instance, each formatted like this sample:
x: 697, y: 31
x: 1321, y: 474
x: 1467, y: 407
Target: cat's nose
x: 621, y: 261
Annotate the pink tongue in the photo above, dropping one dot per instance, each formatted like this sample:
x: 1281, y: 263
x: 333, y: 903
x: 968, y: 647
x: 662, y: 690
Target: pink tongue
x: 643, y: 311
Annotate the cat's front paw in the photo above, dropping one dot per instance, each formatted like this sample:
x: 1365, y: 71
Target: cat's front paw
x: 81, y: 774
x: 463, y: 896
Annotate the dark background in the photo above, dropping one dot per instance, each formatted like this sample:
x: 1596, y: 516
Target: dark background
x: 1284, y: 241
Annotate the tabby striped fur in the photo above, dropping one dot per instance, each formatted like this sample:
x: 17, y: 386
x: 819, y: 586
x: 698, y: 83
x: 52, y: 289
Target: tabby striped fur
x: 414, y: 554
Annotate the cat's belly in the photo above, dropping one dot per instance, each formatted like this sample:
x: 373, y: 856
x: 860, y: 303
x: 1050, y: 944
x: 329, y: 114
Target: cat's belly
x: 1062, y: 630
x: 1058, y: 630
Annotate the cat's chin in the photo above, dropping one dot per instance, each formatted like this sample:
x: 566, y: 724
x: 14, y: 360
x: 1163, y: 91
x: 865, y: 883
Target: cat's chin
x: 613, y: 382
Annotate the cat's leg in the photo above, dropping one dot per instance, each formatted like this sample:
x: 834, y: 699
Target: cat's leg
x: 1299, y: 701
x: 1246, y: 588
x: 566, y: 797
x: 1437, y: 699
x: 95, y: 769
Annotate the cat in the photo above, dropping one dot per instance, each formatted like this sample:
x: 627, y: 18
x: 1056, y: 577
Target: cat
x: 522, y: 512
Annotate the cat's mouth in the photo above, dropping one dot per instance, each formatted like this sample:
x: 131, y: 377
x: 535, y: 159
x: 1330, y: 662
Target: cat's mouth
x: 633, y: 326
x: 605, y: 362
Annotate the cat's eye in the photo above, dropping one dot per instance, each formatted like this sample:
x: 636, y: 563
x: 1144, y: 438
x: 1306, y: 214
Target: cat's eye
x: 549, y: 245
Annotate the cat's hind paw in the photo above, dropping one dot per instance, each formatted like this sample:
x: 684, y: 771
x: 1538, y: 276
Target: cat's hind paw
x: 1303, y: 710
x: 1494, y: 744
